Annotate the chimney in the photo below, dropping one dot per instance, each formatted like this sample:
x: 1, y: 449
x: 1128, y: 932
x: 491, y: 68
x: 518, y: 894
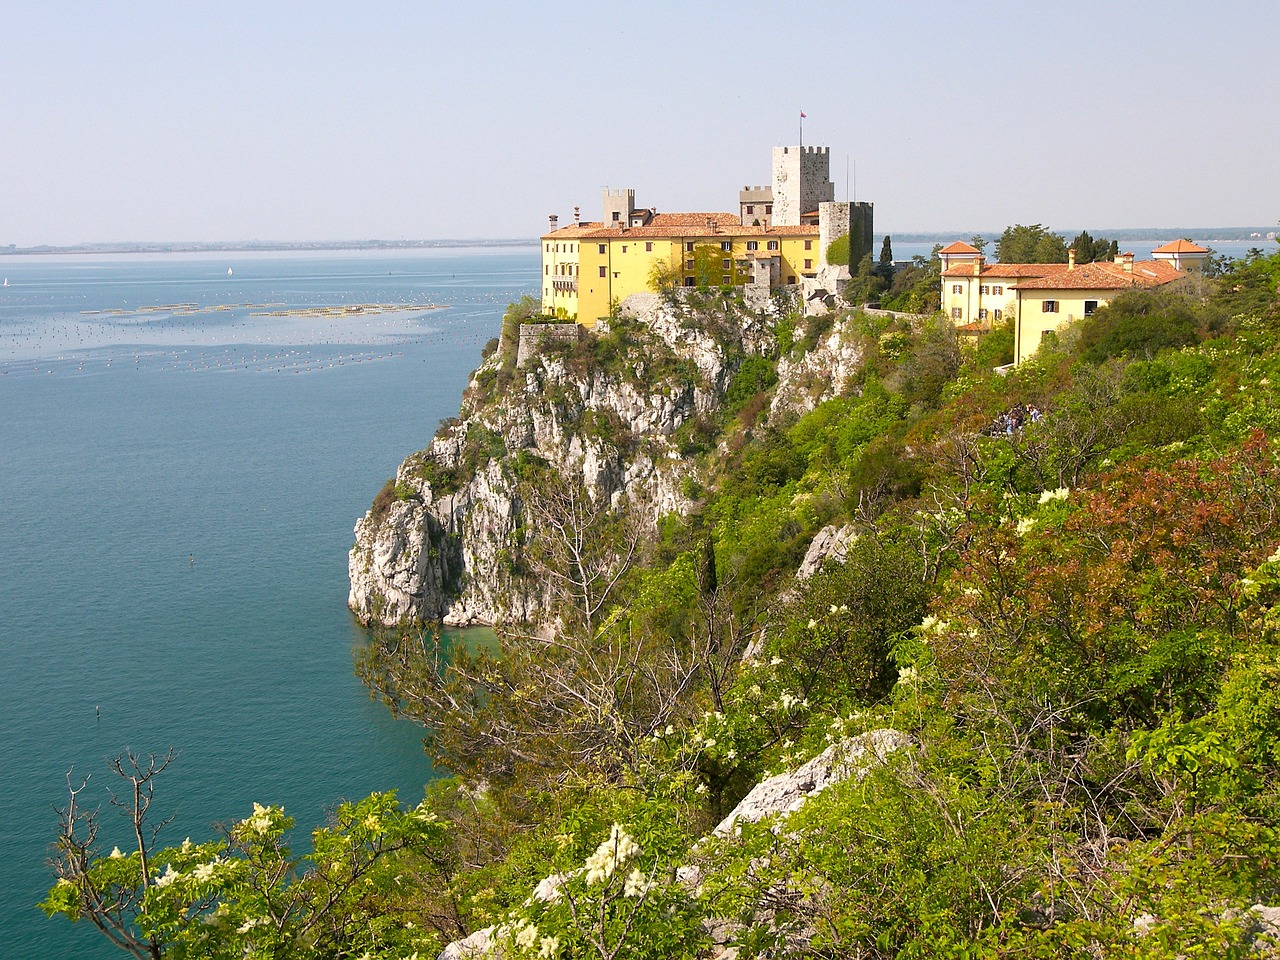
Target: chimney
x: 576, y: 216
x: 1126, y: 261
x: 554, y: 220
x: 1071, y: 258
x: 977, y: 265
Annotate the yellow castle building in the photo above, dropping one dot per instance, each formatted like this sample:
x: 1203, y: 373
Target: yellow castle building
x: 778, y: 237
x: 1040, y: 297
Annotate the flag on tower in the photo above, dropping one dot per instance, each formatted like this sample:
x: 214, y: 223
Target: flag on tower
x: 803, y: 115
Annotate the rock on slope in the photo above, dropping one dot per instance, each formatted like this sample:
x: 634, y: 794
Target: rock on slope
x: 446, y: 550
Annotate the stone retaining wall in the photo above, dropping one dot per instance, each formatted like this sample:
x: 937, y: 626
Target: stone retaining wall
x: 534, y: 335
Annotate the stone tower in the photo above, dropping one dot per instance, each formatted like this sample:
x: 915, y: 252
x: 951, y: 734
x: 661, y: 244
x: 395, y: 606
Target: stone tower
x: 801, y: 181
x: 619, y: 205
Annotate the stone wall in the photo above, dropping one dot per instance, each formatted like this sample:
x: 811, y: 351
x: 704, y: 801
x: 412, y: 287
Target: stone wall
x: 534, y: 335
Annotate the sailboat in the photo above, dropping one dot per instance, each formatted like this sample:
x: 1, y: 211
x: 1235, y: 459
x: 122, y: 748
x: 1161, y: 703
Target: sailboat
x: 6, y: 281
x: 230, y: 272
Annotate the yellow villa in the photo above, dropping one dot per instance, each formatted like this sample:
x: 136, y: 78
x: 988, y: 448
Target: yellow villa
x: 1040, y: 297
x: 779, y: 236
x: 588, y: 266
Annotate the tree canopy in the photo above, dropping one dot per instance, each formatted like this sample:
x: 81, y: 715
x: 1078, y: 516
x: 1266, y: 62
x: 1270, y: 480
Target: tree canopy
x: 1030, y: 244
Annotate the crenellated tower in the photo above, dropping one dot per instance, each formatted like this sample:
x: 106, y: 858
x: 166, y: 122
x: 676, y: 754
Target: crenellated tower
x: 801, y: 181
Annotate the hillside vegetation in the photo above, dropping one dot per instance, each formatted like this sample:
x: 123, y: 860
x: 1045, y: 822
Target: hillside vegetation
x: 1062, y: 585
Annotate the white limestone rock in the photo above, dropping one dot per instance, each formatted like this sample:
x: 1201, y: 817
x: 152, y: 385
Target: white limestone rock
x: 824, y: 372
x: 853, y: 757
x: 830, y: 543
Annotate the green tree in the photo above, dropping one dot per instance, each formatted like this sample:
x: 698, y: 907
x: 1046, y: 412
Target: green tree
x: 886, y: 253
x: 1093, y: 249
x: 245, y: 894
x: 1030, y: 244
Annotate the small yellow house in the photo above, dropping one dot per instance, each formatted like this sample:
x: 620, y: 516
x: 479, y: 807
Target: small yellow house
x: 1051, y: 302
x: 1040, y: 297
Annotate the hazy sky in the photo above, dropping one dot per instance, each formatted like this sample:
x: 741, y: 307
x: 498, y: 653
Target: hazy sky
x: 292, y: 120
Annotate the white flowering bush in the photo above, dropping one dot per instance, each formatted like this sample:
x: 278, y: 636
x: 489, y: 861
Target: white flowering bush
x: 248, y: 894
x: 618, y: 903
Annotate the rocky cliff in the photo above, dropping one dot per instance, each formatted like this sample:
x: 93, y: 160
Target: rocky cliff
x: 615, y: 413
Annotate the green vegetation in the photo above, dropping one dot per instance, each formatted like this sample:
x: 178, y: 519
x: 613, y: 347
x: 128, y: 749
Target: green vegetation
x: 838, y: 250
x: 1074, y: 615
x: 1030, y: 244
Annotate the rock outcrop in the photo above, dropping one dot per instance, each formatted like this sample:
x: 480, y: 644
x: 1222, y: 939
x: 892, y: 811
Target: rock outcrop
x: 786, y: 793
x: 826, y: 371
x: 830, y: 543
x: 448, y: 547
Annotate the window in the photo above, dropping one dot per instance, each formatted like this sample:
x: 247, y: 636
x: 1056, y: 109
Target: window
x: 984, y: 289
x: 982, y: 313
x: 546, y: 270
x: 617, y: 215
x: 601, y: 246
x: 648, y: 246
x: 726, y: 264
x: 997, y: 291
x: 773, y: 244
x: 957, y: 313
x: 726, y: 280
x: 1089, y: 307
x: 689, y: 281
x: 808, y: 244
x: 791, y: 279
x: 753, y: 245
x: 726, y: 245
x: 688, y: 247
x: 997, y: 313
x: 768, y: 208
x: 602, y: 272
x: 615, y: 274
x: 688, y: 264
x: 624, y: 248
x: 808, y: 264
x: 957, y: 288
x: 548, y: 248
x: 750, y: 209
x: 1049, y: 306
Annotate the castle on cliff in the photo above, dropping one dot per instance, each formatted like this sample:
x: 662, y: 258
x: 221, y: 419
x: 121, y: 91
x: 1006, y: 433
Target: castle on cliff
x: 780, y: 233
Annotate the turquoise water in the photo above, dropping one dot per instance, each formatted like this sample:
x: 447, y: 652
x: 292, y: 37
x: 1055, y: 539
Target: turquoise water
x: 177, y: 492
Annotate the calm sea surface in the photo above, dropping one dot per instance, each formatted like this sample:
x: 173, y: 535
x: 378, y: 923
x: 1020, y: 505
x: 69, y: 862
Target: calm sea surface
x: 185, y: 444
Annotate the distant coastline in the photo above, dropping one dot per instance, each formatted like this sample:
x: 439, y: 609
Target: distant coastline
x: 1201, y: 234
x: 259, y: 246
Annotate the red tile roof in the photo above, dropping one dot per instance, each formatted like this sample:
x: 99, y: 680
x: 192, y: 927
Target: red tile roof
x: 959, y: 247
x: 1106, y: 276
x: 1006, y: 270
x: 1180, y: 246
x: 682, y: 225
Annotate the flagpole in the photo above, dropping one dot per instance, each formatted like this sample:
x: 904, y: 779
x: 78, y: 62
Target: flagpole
x: 802, y: 128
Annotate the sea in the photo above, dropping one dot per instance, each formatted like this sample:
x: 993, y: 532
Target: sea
x: 186, y: 442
